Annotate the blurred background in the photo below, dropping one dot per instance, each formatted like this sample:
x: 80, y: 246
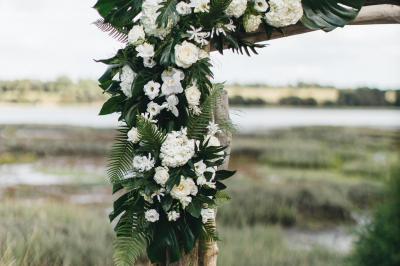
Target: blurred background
x: 317, y: 129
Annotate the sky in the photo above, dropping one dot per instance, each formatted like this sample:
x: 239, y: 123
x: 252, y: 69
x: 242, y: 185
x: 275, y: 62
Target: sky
x: 44, y: 39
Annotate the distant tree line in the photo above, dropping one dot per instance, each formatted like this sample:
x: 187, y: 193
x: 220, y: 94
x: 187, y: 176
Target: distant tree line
x: 348, y: 97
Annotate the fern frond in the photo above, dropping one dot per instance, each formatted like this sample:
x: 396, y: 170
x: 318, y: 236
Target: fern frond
x: 151, y: 136
x: 209, y: 233
x: 112, y: 31
x: 197, y: 124
x: 130, y: 242
x: 120, y: 157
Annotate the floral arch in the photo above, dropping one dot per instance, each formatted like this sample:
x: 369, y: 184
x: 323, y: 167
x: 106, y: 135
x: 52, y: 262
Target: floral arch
x: 169, y: 159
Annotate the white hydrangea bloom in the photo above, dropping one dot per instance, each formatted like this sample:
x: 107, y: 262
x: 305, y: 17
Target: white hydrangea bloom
x: 152, y: 89
x: 173, y: 216
x: 149, y: 62
x: 161, y: 176
x: 127, y: 77
x: 236, y: 8
x: 261, y: 5
x: 151, y: 216
x: 283, y: 13
x: 145, y: 50
x: 200, y: 167
x: 172, y: 78
x: 207, y: 214
x: 183, y: 8
x: 251, y: 23
x: 149, y: 19
x: 136, y: 35
x: 143, y: 163
x: 177, y: 149
x: 200, y: 5
x: 133, y: 135
x: 193, y: 95
x: 153, y: 109
x: 186, y: 54
x: 170, y: 105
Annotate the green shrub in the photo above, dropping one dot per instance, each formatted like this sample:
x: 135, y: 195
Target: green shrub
x: 379, y: 242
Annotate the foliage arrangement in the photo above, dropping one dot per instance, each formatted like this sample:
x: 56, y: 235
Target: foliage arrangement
x: 167, y: 154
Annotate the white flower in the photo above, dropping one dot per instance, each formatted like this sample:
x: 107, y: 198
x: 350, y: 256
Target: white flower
x: 283, y: 13
x: 185, y: 201
x: 203, y: 54
x: 186, y: 54
x: 172, y: 78
x: 145, y: 50
x: 183, y: 8
x: 136, y: 35
x: 200, y: 5
x: 148, y: 117
x: 173, y: 216
x: 201, y: 180
x: 236, y: 8
x: 222, y: 28
x: 184, y: 190
x: 152, y: 89
x: 261, y: 5
x: 213, y: 141
x: 213, y: 128
x: 251, y: 23
x: 151, y: 216
x: 127, y: 77
x: 177, y: 149
x: 143, y: 163
x: 172, y: 102
x: 149, y: 62
x: 161, y: 176
x: 153, y: 109
x: 133, y: 135
x: 200, y: 167
x: 207, y: 214
x: 149, y: 17
x: 193, y: 95
x: 198, y: 36
x: 158, y: 194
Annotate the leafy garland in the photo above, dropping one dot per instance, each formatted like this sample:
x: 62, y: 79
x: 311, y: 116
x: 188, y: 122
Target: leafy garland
x: 165, y: 159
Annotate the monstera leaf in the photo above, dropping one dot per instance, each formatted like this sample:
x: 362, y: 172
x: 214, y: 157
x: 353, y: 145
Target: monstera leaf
x: 329, y: 14
x: 119, y: 13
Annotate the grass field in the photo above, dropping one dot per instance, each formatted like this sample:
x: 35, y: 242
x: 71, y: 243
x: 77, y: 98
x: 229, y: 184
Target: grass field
x: 306, y: 180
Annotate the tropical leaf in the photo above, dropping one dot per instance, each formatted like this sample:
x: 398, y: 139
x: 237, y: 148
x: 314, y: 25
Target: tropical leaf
x: 330, y: 14
x: 197, y: 124
x: 121, y: 156
x: 118, y: 34
x: 167, y: 13
x: 119, y: 13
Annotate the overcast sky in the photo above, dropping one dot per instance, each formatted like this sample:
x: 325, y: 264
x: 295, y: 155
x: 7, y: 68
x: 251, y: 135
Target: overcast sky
x: 43, y: 39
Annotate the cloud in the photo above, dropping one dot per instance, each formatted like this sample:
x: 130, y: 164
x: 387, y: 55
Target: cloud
x: 48, y: 38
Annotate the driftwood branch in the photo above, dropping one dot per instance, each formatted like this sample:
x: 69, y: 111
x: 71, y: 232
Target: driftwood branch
x: 369, y: 14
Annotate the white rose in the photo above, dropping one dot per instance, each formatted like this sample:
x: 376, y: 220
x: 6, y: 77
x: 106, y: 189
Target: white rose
x: 261, y: 5
x: 152, y: 89
x: 136, y: 35
x: 183, y: 8
x: 151, y: 215
x: 173, y: 216
x: 207, y: 214
x: 251, y: 23
x: 182, y: 190
x: 161, y: 176
x: 236, y: 8
x: 193, y: 188
x: 133, y: 135
x: 186, y: 54
x: 145, y: 50
x: 153, y: 109
x: 283, y: 13
x: 193, y: 95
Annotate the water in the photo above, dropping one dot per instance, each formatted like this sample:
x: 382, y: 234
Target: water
x: 246, y: 119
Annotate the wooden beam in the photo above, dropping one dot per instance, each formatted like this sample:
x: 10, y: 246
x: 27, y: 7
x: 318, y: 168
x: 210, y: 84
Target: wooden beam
x: 371, y: 14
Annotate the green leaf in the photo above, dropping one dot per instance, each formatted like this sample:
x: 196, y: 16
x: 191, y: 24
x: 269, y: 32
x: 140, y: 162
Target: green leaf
x: 224, y: 174
x: 164, y: 240
x: 194, y: 208
x: 119, y: 13
x: 112, y: 105
x: 151, y: 136
x: 329, y: 14
x: 167, y: 13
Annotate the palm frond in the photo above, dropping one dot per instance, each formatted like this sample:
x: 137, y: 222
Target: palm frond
x: 112, y: 31
x: 209, y: 233
x: 197, y: 124
x: 130, y: 242
x: 120, y: 157
x: 151, y: 136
